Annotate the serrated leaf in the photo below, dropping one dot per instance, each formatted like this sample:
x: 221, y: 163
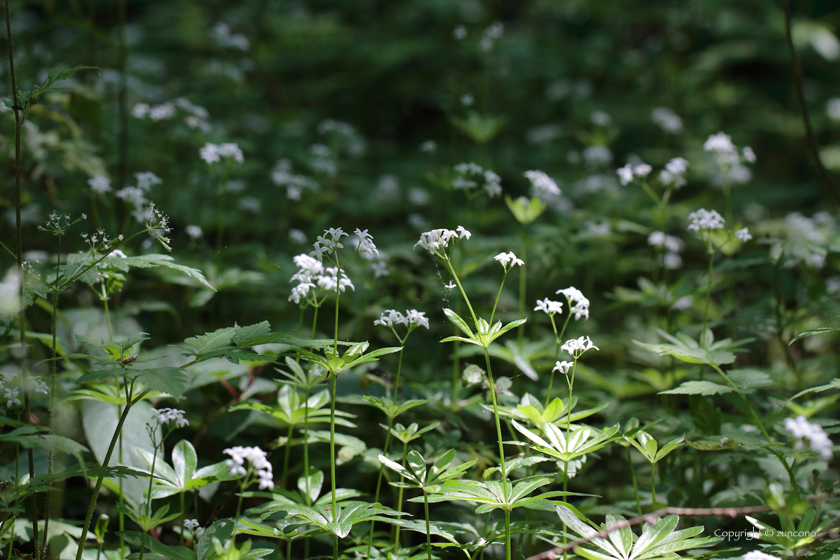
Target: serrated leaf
x: 705, y: 388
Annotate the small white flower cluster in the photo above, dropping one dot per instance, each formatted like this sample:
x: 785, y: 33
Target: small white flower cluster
x: 703, y: 220
x: 364, y: 245
x: 563, y: 367
x: 743, y: 234
x: 577, y: 346
x: 12, y: 394
x: 212, y: 153
x: 311, y: 273
x: 508, y: 260
x: 578, y: 304
x: 600, y: 118
x: 196, y: 116
x: 136, y: 196
x: 800, y: 428
x: 542, y: 186
x: 667, y: 120
x: 549, y: 307
x: 194, y: 232
x: 190, y: 525
x: 99, y: 184
x: 295, y: 184
x: 674, y: 173
x: 58, y: 223
x: 166, y: 415
x: 673, y: 245
x: 491, y: 35
x: 597, y: 156
x: 322, y: 160
x: 412, y: 319
x: 632, y: 172
x: 258, y: 459
x: 438, y: 239
x: 157, y: 224
x: 471, y: 175
x: 98, y: 241
x: 224, y: 37
x: 429, y: 146
x: 728, y: 160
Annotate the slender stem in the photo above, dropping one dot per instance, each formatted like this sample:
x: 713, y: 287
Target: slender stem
x: 708, y: 291
x: 148, y: 501
x: 286, y: 456
x: 498, y: 295
x: 306, y: 445
x: 104, y: 297
x: 239, y: 505
x: 314, y: 321
x: 337, y: 298
x: 554, y: 361
x: 498, y: 424
x: 122, y: 167
x: 523, y: 281
x: 400, y: 500
x: 385, y: 451
x: 758, y: 421
x: 183, y: 516
x: 507, y: 531
x: 19, y: 254
x: 803, y: 109
x: 333, y: 377
x: 461, y: 288
x: 653, y: 486
x: 635, y: 484
x: 428, y: 530
x: 53, y: 385
x: 95, y: 494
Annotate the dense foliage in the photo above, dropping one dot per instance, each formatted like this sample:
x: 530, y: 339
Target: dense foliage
x: 419, y: 279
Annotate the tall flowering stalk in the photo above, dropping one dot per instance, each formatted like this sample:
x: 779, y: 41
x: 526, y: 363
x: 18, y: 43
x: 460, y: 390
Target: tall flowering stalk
x: 441, y: 243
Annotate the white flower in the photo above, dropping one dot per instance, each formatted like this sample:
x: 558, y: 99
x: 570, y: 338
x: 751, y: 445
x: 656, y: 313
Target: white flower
x: 331, y: 280
x: 563, y: 367
x: 800, y: 428
x: 576, y: 347
x: 209, y: 153
x: 833, y: 108
x: 467, y: 100
x: 390, y: 317
x: 600, y: 118
x: 749, y: 154
x: 549, y: 307
x: 578, y: 304
x: 140, y: 110
x: 428, y: 146
x: 631, y: 172
x: 329, y: 245
x: 194, y: 232
x: 191, y: 525
x: 669, y: 242
x: 674, y: 173
x: 719, y: 143
x: 667, y: 120
x: 365, y: 246
x: 438, y: 239
x: 508, y: 259
x: 459, y: 32
x: 100, y: 184
x: 40, y: 386
x: 471, y: 175
x: 683, y: 303
x: 705, y: 220
x: 743, y: 234
x: 542, y: 186
x: 166, y: 415
x: 417, y: 318
x: 230, y: 150
x: 146, y: 179
x: 258, y: 460
x: 450, y: 286
x: 12, y: 397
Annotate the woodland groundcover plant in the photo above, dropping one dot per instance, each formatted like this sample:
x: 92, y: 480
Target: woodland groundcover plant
x: 200, y: 361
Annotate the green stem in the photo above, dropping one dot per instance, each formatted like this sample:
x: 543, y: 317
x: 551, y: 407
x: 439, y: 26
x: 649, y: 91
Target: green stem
x: 635, y: 484
x: 708, y: 291
x: 306, y: 445
x: 239, y: 506
x: 461, y: 288
x: 104, y: 297
x: 400, y: 500
x: 332, y: 458
x: 523, y: 282
x: 148, y: 502
x: 498, y: 424
x: 507, y: 532
x: 498, y: 295
x: 95, y: 494
x: 53, y: 385
x: 653, y: 486
x: 556, y: 354
x: 428, y: 530
x: 286, y: 456
x: 183, y: 517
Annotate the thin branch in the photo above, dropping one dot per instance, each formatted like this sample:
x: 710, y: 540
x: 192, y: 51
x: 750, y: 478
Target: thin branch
x: 800, y: 96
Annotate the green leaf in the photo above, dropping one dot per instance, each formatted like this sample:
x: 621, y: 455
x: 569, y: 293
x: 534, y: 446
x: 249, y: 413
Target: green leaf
x: 165, y: 261
x: 458, y: 322
x: 748, y: 380
x: 821, y: 330
x: 169, y: 380
x: 184, y: 461
x: 221, y: 529
x: 709, y: 445
x: 704, y: 388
